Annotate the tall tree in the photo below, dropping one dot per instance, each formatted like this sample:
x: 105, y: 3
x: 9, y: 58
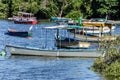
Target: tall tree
x: 61, y: 6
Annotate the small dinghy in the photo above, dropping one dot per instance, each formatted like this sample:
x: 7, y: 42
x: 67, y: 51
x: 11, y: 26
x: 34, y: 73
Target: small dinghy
x: 13, y: 32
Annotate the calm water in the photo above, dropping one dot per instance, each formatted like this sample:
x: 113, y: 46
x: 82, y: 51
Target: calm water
x: 37, y: 68
x: 42, y: 68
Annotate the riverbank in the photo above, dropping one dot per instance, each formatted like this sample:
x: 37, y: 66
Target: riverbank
x: 110, y: 64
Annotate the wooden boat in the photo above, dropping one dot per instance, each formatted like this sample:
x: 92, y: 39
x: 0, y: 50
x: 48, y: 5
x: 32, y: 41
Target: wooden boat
x: 24, y: 18
x: 94, y: 27
x: 19, y: 50
x: 13, y: 32
x: 97, y: 28
x: 64, y: 42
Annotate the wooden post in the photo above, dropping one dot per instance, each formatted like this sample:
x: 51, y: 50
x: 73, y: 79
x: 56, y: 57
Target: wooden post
x: 110, y: 30
x: 46, y: 39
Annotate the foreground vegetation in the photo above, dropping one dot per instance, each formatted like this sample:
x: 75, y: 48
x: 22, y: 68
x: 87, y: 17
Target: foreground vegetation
x: 63, y: 8
x: 110, y: 64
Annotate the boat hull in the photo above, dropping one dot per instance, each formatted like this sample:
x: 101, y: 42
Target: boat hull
x: 15, y: 50
x: 19, y: 33
x: 25, y: 22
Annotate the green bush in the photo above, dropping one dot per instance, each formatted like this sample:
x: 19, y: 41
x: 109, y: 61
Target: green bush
x: 110, y: 64
x: 2, y: 16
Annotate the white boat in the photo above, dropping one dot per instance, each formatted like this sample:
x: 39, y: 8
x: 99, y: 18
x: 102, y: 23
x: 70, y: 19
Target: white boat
x: 19, y: 50
x: 91, y: 30
x: 96, y: 27
x: 67, y: 42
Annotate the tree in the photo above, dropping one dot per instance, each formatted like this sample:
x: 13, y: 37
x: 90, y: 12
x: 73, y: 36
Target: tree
x: 107, y: 7
x: 61, y: 6
x: 3, y: 10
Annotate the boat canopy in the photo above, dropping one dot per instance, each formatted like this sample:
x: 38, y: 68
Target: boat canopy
x: 97, y: 24
x: 57, y: 27
x: 64, y: 27
x: 75, y: 26
x: 25, y: 13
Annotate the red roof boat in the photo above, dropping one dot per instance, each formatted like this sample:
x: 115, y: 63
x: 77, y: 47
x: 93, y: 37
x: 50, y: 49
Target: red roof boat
x: 24, y: 18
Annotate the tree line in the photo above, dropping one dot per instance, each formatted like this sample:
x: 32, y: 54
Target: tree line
x: 44, y: 9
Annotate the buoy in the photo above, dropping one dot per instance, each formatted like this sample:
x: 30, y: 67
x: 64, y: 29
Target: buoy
x: 2, y: 53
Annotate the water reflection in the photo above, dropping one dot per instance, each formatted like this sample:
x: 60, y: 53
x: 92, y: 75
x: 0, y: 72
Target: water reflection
x: 47, y: 68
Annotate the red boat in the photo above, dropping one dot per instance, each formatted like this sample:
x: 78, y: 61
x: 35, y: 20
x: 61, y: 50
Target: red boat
x: 24, y: 18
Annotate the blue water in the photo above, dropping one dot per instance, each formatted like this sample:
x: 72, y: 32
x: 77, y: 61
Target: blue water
x: 42, y: 68
x: 45, y: 68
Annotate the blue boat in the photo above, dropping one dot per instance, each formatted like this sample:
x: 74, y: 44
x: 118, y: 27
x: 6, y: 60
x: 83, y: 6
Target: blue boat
x: 60, y: 19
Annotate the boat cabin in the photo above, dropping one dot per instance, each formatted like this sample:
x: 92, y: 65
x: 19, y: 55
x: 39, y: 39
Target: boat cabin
x: 24, y: 14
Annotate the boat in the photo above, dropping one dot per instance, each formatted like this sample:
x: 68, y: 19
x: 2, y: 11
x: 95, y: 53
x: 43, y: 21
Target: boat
x: 65, y: 42
x: 20, y: 50
x: 53, y: 52
x: 59, y: 19
x: 90, y: 37
x: 13, y: 32
x: 94, y: 27
x: 24, y: 18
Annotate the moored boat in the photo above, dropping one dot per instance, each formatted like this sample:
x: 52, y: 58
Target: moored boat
x: 24, y: 18
x: 19, y: 50
x: 94, y: 27
x: 13, y: 32
x: 60, y: 19
x: 94, y: 31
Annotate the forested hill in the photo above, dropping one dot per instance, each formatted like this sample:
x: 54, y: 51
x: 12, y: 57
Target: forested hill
x: 64, y: 8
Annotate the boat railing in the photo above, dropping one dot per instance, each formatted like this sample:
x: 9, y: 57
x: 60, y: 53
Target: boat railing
x: 53, y: 48
x: 24, y: 18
